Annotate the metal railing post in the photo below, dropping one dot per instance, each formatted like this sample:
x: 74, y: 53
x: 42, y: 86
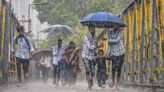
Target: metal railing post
x: 142, y: 41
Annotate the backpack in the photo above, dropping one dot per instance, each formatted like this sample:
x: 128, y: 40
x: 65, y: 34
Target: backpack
x: 26, y: 40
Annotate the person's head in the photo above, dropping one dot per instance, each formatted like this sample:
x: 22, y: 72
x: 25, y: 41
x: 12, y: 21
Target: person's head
x: 115, y: 27
x: 101, y: 52
x: 91, y: 30
x: 21, y: 31
x: 71, y: 44
x: 59, y: 42
x: 46, y: 54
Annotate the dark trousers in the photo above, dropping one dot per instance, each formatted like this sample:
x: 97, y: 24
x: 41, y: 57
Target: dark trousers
x: 56, y: 73
x: 45, y: 73
x: 90, y: 71
x: 101, y: 77
x: 25, y: 63
x: 117, y: 62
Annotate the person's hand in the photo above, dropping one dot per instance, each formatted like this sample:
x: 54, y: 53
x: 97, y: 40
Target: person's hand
x: 101, y: 45
x: 30, y: 57
x: 12, y: 54
x: 104, y: 38
x: 108, y: 55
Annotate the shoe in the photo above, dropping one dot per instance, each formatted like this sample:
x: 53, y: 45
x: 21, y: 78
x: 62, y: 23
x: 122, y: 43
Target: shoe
x: 19, y: 84
x: 102, y: 86
x: 112, y: 85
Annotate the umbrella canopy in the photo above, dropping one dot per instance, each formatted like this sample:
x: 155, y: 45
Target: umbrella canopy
x: 102, y: 20
x: 59, y: 28
x: 37, y: 55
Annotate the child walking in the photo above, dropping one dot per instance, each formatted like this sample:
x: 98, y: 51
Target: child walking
x: 101, y: 69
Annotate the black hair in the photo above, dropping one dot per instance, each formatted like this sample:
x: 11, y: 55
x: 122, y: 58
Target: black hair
x: 59, y: 40
x: 100, y: 51
x: 20, y: 29
x: 71, y: 42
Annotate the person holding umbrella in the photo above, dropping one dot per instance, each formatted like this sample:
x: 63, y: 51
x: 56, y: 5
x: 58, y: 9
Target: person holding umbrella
x: 89, y: 55
x: 104, y: 20
x: 57, y: 57
x: 115, y: 40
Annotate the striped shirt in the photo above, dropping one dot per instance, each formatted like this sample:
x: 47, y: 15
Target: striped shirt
x: 89, y: 47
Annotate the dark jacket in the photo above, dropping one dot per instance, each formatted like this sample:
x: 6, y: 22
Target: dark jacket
x: 101, y: 64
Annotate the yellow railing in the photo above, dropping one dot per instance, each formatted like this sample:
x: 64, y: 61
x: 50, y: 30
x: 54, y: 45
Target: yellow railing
x: 139, y: 17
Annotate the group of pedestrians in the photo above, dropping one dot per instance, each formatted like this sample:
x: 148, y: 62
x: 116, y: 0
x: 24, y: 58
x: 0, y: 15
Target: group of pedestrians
x: 65, y: 63
x: 92, y: 55
x: 65, y: 60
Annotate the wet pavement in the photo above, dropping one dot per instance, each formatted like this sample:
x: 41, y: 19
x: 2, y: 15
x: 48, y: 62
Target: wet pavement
x: 79, y: 87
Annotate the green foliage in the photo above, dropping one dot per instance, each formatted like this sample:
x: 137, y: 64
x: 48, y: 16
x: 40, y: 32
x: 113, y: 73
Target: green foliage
x: 69, y: 12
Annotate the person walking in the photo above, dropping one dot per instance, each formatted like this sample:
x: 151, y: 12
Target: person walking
x: 57, y: 57
x: 45, y: 67
x: 101, y: 69
x: 22, y: 48
x: 89, y: 55
x: 72, y: 53
x: 117, y: 52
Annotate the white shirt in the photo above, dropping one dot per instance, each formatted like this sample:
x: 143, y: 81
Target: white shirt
x: 21, y: 49
x: 57, y: 54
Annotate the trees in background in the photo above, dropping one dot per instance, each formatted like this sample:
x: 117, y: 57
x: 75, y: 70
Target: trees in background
x: 69, y: 12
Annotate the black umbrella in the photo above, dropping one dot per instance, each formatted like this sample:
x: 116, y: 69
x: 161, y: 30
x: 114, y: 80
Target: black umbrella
x: 37, y: 55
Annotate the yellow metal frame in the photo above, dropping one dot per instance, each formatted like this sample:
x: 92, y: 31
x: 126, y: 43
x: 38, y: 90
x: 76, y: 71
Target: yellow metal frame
x: 128, y: 17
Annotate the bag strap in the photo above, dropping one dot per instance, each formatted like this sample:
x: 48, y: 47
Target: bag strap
x: 27, y: 42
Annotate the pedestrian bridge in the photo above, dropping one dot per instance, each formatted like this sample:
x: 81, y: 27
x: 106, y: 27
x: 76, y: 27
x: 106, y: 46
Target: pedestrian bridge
x: 143, y: 42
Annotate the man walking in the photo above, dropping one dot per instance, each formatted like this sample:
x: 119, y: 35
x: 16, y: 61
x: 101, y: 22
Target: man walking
x: 89, y: 55
x: 57, y: 57
x: 22, y: 47
x: 117, y: 52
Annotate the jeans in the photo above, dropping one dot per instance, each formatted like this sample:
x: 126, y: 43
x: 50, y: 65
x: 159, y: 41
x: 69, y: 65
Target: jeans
x: 56, y: 73
x: 90, y: 71
x: 117, y: 62
x: 25, y: 63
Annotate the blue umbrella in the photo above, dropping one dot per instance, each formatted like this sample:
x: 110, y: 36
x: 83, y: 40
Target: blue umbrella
x: 102, y: 20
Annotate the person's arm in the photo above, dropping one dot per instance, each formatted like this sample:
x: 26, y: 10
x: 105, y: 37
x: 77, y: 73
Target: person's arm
x: 31, y: 45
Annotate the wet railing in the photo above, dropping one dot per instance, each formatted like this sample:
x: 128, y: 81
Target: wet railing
x: 8, y: 28
x: 143, y: 42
